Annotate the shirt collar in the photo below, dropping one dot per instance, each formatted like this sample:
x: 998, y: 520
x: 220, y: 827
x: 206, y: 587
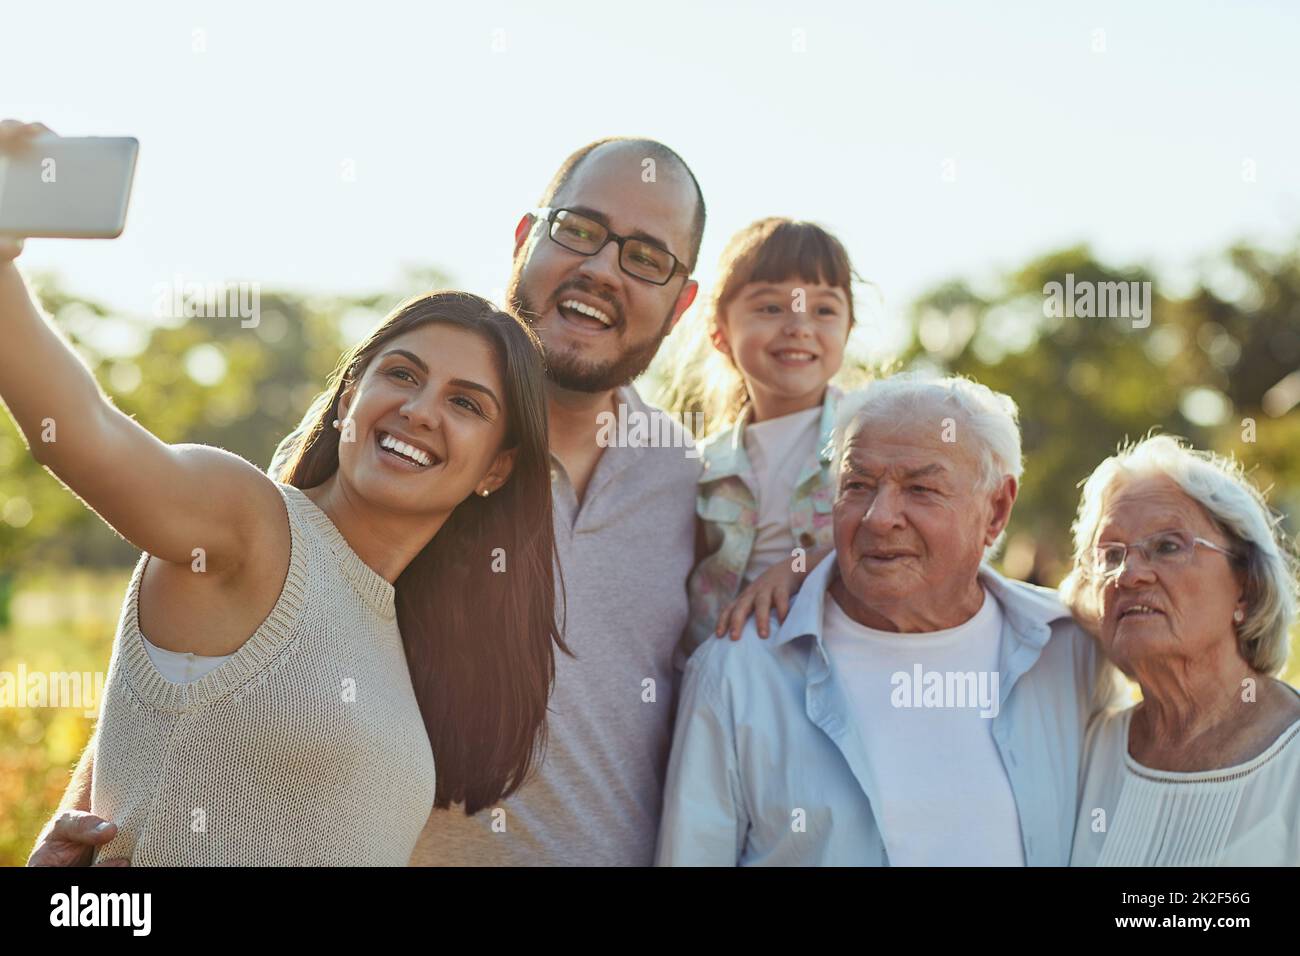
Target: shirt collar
x: 805, y: 617
x: 1029, y: 610
x: 826, y: 429
x: 825, y: 435
x: 629, y: 396
x: 623, y: 395
x: 725, y: 457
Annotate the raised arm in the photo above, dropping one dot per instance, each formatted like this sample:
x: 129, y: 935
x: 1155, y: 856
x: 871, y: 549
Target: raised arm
x: 168, y: 500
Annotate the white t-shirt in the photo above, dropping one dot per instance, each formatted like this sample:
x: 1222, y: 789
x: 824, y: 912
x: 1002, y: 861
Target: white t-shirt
x: 779, y: 449
x: 943, y: 795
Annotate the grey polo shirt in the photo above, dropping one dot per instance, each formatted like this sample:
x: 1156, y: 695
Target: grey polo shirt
x: 625, y: 553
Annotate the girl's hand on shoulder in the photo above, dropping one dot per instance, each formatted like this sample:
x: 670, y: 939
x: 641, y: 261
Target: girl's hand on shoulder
x: 771, y: 589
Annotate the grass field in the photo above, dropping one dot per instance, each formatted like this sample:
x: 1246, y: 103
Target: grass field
x: 61, y: 622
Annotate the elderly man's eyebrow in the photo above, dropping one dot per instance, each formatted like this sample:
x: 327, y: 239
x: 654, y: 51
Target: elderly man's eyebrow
x: 603, y: 219
x: 926, y: 471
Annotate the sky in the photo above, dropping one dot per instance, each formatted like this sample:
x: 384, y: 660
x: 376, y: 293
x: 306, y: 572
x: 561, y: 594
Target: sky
x: 325, y: 147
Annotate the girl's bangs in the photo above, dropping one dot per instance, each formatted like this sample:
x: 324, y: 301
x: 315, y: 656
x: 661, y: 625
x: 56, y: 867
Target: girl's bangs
x: 792, y: 251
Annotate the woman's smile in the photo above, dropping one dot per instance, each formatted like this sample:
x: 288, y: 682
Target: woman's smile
x: 403, y: 454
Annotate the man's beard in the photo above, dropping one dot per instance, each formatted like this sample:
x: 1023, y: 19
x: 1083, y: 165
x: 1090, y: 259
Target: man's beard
x: 568, y: 370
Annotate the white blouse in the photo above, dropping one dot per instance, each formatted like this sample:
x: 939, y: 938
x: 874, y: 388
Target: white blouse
x: 1131, y: 815
x: 179, y: 667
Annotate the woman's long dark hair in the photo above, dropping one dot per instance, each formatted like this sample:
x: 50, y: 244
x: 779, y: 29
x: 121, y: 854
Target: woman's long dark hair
x: 478, y: 623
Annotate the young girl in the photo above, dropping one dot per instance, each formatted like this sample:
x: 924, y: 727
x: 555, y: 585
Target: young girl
x: 779, y: 319
x: 293, y: 656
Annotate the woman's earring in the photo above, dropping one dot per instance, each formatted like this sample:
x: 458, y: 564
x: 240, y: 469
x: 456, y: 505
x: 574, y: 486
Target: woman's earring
x: 1238, y: 615
x: 336, y: 424
x: 484, y: 492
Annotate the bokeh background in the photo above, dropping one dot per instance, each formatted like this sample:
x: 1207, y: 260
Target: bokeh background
x: 966, y: 154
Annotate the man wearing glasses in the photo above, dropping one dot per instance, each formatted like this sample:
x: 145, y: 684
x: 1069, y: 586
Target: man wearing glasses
x: 602, y: 271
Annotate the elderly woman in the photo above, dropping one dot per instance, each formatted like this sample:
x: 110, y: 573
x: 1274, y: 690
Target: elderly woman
x: 1180, y: 571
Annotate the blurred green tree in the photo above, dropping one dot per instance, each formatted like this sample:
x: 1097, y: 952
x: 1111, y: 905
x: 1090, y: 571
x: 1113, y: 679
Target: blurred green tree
x: 1217, y: 366
x: 218, y: 381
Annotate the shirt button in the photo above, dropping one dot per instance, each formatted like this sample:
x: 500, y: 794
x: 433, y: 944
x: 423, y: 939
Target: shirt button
x: 807, y: 540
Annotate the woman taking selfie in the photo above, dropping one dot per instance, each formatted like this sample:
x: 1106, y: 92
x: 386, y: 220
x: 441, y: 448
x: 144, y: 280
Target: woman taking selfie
x: 295, y: 657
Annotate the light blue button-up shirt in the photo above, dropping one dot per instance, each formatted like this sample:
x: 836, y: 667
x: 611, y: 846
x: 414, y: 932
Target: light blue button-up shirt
x: 768, y: 767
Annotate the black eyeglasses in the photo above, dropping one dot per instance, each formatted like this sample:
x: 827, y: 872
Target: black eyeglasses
x: 585, y: 236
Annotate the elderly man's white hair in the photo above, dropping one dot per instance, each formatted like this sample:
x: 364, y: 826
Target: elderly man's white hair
x: 1235, y: 505
x: 979, y: 414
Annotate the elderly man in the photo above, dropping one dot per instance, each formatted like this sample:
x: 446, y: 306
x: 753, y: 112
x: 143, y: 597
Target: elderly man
x: 915, y: 707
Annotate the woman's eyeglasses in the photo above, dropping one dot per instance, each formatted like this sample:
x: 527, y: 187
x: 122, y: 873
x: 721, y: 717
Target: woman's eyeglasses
x: 1165, y: 549
x: 637, y: 257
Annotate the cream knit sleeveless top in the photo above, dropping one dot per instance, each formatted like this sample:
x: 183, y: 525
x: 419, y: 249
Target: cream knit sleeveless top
x: 305, y: 748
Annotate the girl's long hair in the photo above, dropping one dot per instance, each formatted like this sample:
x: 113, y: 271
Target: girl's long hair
x: 478, y: 623
x: 774, y: 249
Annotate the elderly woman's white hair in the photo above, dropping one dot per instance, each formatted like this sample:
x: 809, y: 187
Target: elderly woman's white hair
x: 990, y: 418
x: 1235, y: 505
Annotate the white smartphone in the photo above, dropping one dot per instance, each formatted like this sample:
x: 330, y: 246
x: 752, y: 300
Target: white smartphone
x: 67, y: 187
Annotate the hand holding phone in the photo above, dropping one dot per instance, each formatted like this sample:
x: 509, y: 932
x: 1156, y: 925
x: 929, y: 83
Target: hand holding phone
x: 61, y: 187
x: 14, y: 136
